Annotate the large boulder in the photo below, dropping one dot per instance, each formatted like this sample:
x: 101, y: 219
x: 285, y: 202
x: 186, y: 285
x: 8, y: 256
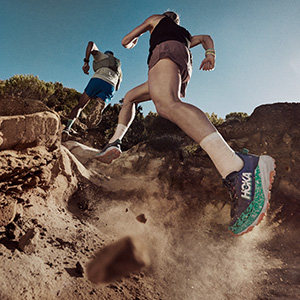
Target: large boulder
x: 27, y: 124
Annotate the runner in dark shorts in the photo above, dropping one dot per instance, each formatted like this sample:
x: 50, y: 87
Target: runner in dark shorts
x: 180, y: 55
x: 247, y: 177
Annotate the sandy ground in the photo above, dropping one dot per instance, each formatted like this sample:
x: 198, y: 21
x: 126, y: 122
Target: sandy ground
x: 68, y: 207
x: 193, y: 256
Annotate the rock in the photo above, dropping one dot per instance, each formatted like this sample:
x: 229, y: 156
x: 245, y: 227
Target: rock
x: 141, y: 218
x: 287, y: 139
x: 12, y: 106
x: 26, y: 243
x: 7, y: 209
x: 82, y: 152
x: 31, y: 167
x: 21, y: 132
x: 117, y: 260
x: 79, y: 269
x: 27, y: 123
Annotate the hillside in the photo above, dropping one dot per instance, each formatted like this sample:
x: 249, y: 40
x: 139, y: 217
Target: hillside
x: 59, y: 206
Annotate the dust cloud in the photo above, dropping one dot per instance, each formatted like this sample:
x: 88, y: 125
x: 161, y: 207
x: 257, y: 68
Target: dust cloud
x: 193, y: 255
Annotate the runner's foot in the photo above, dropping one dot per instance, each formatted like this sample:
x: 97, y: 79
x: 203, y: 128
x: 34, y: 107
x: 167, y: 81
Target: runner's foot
x: 110, y: 152
x: 249, y: 190
x: 65, y: 135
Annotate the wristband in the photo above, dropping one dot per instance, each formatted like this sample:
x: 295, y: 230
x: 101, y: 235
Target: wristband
x: 86, y: 60
x: 210, y: 51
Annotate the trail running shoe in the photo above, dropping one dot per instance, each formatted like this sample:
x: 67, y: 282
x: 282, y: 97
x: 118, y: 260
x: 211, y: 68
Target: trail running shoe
x: 249, y: 190
x: 110, y: 152
x: 65, y: 135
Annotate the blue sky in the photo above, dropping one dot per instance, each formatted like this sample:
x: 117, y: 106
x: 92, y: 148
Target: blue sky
x: 257, y: 44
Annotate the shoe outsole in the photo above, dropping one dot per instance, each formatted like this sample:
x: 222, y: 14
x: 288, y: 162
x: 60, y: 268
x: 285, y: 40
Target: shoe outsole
x: 267, y: 163
x: 108, y: 156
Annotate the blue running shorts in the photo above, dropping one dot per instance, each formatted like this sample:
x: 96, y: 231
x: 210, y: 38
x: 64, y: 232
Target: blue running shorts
x: 98, y: 88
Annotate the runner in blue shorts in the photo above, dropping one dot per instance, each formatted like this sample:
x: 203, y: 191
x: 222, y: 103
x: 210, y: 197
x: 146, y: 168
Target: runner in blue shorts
x: 101, y: 87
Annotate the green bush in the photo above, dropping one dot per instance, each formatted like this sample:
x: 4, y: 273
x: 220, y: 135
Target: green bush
x: 215, y: 119
x: 54, y: 95
x: 192, y: 149
x: 2, y: 85
x: 28, y: 86
x: 237, y: 116
x: 166, y: 143
x: 156, y: 125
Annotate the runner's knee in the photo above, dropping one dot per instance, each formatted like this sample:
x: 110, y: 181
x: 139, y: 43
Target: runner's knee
x: 162, y: 110
x: 129, y: 98
x: 167, y: 110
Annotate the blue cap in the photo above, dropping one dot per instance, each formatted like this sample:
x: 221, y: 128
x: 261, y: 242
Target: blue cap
x: 108, y: 52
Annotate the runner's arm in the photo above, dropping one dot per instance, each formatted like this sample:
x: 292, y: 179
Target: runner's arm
x: 91, y: 46
x: 131, y: 39
x: 207, y: 42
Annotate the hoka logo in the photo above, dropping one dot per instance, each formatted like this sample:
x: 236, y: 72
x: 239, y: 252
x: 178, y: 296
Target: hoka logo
x: 246, y: 186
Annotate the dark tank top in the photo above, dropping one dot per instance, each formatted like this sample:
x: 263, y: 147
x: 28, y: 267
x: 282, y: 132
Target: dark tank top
x: 167, y: 30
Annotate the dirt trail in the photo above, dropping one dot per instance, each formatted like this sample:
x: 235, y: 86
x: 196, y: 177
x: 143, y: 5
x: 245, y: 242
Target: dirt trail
x: 65, y: 207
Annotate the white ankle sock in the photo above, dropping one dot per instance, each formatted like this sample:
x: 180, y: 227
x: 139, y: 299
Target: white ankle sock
x: 70, y: 123
x: 224, y: 158
x: 119, y: 133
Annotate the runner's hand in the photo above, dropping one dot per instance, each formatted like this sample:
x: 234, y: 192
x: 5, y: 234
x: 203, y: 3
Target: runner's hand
x: 131, y: 44
x: 208, y: 63
x: 86, y: 68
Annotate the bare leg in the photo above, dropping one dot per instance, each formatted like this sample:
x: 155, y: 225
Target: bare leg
x: 136, y: 95
x: 83, y: 101
x: 95, y: 115
x: 164, y: 83
x: 127, y: 113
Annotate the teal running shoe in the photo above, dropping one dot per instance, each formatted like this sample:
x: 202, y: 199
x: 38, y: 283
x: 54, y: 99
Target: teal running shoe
x: 250, y: 191
x: 110, y: 152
